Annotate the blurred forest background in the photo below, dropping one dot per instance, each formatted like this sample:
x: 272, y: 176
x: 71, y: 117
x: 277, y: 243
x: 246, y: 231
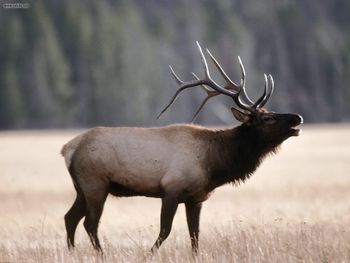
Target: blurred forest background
x: 69, y: 64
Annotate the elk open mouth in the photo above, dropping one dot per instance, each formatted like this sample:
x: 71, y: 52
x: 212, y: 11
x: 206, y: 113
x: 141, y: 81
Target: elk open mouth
x: 294, y: 130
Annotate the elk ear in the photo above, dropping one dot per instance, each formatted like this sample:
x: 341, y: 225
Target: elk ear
x: 239, y: 115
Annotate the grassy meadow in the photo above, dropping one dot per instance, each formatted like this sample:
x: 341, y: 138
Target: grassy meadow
x: 295, y: 208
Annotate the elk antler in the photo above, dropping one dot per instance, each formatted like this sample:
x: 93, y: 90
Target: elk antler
x: 230, y: 89
x: 269, y: 93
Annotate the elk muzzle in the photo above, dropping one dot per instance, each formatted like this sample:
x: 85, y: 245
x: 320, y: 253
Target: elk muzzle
x: 295, y: 120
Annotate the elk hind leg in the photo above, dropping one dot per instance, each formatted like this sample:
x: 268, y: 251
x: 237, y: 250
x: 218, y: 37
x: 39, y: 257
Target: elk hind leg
x: 72, y: 218
x: 94, y: 208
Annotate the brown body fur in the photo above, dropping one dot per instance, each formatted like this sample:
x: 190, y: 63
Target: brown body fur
x: 177, y: 163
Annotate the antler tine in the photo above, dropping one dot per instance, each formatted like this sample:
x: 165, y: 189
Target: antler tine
x: 263, y: 96
x: 243, y: 81
x: 242, y: 71
x: 201, y: 107
x: 204, y: 61
x: 269, y: 93
x: 223, y: 73
x: 210, y: 94
x: 178, y: 81
x: 272, y: 85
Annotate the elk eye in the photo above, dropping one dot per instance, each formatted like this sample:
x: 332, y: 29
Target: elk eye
x: 268, y: 119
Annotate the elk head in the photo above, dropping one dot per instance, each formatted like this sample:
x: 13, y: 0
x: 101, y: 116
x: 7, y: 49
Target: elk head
x: 273, y: 127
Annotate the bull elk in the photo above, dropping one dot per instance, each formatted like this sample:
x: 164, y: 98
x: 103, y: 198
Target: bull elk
x: 177, y: 163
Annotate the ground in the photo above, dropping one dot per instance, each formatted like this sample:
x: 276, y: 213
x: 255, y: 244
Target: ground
x: 295, y: 208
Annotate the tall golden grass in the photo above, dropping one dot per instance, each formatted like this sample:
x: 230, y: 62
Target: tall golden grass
x: 295, y: 208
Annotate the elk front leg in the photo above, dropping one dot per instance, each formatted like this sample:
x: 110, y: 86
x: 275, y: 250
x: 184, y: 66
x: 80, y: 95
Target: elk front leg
x: 169, y: 207
x: 192, y: 214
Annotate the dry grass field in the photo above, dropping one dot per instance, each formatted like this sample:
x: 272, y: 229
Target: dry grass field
x: 296, y: 208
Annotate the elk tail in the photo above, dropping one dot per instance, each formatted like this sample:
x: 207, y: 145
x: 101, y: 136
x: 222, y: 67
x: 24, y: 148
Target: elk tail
x: 69, y: 149
x: 67, y: 152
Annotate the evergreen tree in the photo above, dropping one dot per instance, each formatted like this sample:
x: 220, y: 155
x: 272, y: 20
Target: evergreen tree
x: 85, y: 63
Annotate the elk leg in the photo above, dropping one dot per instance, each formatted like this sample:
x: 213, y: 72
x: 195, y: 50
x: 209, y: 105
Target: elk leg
x: 169, y: 207
x: 192, y: 214
x: 94, y: 208
x: 72, y: 218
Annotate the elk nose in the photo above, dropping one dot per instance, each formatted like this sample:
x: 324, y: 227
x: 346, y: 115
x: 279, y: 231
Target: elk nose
x: 296, y: 119
x: 300, y: 119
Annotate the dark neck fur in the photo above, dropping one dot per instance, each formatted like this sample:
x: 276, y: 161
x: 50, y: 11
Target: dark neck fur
x: 234, y: 155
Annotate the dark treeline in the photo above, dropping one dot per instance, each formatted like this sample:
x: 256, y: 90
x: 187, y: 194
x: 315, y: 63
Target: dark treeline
x: 78, y: 63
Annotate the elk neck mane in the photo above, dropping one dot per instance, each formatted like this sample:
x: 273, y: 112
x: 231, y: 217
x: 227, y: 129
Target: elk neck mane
x: 234, y: 154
